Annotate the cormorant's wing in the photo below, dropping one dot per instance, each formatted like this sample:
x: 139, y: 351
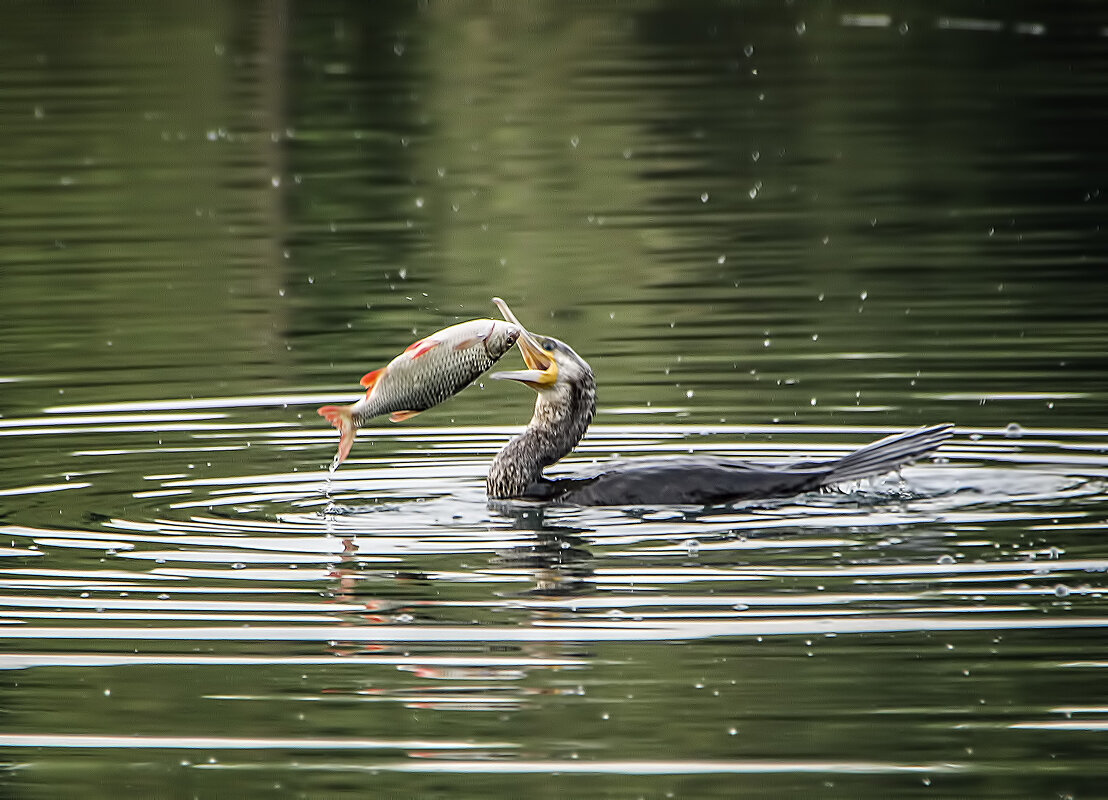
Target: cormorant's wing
x: 714, y: 481
x: 684, y: 481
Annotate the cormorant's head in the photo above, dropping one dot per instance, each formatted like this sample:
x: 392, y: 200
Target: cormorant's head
x: 552, y: 365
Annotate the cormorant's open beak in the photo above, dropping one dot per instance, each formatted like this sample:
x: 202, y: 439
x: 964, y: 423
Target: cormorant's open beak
x: 542, y: 368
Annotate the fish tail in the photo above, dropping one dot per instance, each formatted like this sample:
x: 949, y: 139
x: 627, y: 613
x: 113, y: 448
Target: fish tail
x: 342, y: 417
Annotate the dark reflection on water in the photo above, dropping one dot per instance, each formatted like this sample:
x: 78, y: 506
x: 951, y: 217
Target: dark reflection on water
x: 774, y: 230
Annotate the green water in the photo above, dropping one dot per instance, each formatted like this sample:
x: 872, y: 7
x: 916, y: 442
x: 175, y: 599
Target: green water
x: 774, y: 230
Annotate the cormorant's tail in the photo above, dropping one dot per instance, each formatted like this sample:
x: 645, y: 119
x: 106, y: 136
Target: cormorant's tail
x: 887, y: 454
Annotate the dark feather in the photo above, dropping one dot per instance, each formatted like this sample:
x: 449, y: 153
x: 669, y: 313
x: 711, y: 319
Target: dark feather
x: 563, y: 413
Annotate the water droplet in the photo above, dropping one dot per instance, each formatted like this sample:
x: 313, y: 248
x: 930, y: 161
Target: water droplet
x: 238, y: 565
x: 1061, y: 590
x: 721, y: 260
x: 704, y: 197
x: 863, y: 295
x: 801, y: 28
x: 946, y: 559
x: 692, y: 546
x: 398, y: 48
x: 689, y: 393
x: 275, y: 180
x: 1013, y: 431
x: 732, y: 731
x: 574, y: 141
x: 419, y: 202
x: 748, y: 51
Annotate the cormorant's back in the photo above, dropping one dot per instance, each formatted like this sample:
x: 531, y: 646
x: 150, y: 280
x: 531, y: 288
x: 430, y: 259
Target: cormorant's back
x: 564, y: 407
x: 715, y: 481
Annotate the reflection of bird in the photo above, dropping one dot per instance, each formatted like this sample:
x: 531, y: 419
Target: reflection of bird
x: 565, y: 406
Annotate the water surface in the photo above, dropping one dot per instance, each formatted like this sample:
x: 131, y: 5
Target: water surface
x: 775, y: 231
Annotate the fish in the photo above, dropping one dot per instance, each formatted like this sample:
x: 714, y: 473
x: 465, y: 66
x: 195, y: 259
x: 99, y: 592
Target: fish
x: 428, y: 372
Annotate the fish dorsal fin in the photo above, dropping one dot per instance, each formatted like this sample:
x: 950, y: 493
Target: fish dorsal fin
x: 423, y: 346
x: 369, y: 380
x: 400, y: 416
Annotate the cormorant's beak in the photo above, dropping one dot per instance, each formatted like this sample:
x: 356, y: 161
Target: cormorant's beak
x: 542, y: 368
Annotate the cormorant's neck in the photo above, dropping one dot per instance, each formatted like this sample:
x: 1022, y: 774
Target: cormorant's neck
x: 562, y: 415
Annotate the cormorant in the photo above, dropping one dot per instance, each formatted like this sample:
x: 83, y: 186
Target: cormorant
x: 566, y: 404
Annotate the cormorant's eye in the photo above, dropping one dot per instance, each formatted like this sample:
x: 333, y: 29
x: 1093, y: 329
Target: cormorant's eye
x: 549, y: 345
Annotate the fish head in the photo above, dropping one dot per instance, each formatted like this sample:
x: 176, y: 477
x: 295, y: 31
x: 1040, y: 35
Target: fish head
x: 501, y: 338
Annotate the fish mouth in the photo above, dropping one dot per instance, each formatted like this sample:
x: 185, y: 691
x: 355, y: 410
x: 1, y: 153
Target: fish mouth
x: 542, y: 370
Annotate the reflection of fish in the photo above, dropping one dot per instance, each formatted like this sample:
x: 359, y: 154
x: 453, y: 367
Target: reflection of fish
x: 428, y: 372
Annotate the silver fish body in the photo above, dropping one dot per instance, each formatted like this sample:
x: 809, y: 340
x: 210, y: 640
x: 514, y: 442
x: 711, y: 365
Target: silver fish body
x: 428, y: 372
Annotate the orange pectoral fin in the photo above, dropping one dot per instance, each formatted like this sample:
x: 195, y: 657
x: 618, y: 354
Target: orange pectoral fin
x: 400, y: 416
x: 422, y: 347
x: 369, y: 380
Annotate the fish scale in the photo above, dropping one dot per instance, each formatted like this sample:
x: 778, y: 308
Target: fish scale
x: 429, y: 385
x: 428, y: 372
